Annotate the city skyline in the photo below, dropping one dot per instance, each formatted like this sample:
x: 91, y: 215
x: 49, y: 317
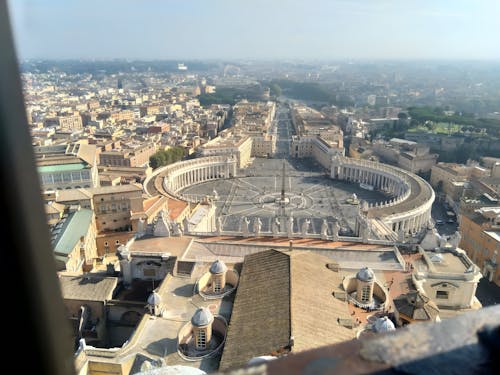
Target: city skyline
x: 221, y: 30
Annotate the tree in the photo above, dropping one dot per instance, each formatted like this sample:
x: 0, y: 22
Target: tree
x: 166, y: 157
x: 275, y: 89
x: 155, y: 161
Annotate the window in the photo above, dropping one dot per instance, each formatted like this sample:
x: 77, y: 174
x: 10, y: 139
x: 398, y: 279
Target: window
x: 365, y: 294
x: 441, y: 294
x: 201, y: 339
x: 217, y: 286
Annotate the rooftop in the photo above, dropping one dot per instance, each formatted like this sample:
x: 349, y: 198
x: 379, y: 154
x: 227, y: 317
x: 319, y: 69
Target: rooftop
x: 68, y: 195
x: 462, y: 345
x: 176, y: 207
x: 349, y: 255
x: 264, y: 325
x: 115, y: 189
x: 88, y: 288
x: 176, y: 246
x: 67, y: 233
x: 54, y: 208
x: 493, y: 234
x: 446, y: 261
x: 416, y: 306
x: 156, y: 338
x: 61, y: 167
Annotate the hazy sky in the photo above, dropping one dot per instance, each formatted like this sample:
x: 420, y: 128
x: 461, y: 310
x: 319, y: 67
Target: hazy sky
x: 260, y: 29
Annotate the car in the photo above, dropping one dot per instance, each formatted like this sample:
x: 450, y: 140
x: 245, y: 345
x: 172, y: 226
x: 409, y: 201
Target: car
x: 439, y: 222
x: 450, y: 221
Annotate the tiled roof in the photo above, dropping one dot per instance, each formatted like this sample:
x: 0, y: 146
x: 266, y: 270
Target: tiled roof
x: 416, y: 306
x: 284, y: 294
x: 260, y: 320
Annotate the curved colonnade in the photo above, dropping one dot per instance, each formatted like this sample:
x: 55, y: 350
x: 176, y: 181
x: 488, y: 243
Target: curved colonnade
x: 410, y: 208
x: 172, y: 178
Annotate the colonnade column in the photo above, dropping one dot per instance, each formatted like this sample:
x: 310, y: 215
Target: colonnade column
x: 418, y: 218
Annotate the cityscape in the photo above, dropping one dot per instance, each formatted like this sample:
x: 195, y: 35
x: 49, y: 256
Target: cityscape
x: 231, y: 214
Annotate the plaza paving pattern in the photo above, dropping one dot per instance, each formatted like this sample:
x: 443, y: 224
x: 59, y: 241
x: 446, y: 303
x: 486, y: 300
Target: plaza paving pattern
x: 311, y: 193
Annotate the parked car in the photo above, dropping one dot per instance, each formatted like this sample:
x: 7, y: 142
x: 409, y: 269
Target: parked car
x: 439, y: 222
x: 451, y: 221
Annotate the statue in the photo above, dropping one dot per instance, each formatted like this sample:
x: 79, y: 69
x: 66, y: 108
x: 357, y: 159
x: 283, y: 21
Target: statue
x: 218, y: 225
x: 176, y: 228
x: 289, y: 229
x: 141, y: 227
x: 365, y: 231
x: 244, y: 226
x: 335, y: 231
x: 443, y: 241
x: 185, y: 224
x: 257, y: 225
x: 305, y: 226
x: 324, y: 230
x: 364, y: 206
x: 455, y: 239
x: 275, y: 226
x: 215, y: 195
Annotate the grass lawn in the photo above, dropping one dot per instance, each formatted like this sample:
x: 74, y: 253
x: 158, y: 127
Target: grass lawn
x: 445, y: 128
x: 440, y: 128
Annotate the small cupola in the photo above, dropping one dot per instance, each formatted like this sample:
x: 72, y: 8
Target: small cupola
x: 218, y: 271
x: 202, y: 327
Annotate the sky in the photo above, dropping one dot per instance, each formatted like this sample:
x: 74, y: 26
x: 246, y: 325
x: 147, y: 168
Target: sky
x: 257, y: 29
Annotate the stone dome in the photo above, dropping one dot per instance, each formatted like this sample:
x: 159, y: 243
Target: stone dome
x: 383, y: 324
x: 154, y: 299
x: 365, y: 274
x: 218, y: 267
x: 202, y: 317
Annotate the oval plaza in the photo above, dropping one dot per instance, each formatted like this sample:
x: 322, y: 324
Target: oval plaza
x: 406, y: 208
